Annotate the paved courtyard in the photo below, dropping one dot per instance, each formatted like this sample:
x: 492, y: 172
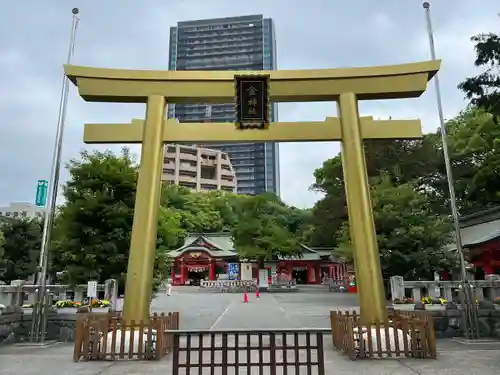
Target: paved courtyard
x: 272, y: 310
x: 226, y: 311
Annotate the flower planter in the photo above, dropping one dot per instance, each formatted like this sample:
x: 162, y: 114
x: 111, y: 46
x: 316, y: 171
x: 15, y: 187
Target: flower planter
x: 404, y: 306
x: 66, y: 310
x: 435, y: 307
x: 69, y: 306
x: 72, y: 310
x: 100, y: 309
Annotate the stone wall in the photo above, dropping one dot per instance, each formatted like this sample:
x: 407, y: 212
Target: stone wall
x: 449, y: 323
x: 10, y: 323
x: 16, y: 327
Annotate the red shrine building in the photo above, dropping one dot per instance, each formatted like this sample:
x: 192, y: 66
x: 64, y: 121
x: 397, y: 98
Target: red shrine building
x: 480, y: 234
x: 207, y: 256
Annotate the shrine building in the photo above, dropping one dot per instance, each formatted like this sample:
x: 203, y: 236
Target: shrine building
x: 480, y: 233
x: 207, y: 256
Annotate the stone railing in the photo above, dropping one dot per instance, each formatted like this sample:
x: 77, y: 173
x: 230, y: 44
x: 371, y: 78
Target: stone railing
x: 484, y: 289
x: 216, y: 284
x: 19, y: 293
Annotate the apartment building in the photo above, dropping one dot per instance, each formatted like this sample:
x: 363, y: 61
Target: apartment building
x: 198, y: 169
x: 20, y: 210
x: 233, y: 43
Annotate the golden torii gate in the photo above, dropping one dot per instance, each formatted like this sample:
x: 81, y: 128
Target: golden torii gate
x: 345, y: 86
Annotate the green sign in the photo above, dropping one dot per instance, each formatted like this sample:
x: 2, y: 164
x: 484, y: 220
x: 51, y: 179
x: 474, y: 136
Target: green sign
x: 252, y: 101
x: 41, y: 193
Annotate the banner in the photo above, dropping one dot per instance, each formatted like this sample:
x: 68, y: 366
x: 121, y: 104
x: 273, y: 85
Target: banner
x: 233, y: 271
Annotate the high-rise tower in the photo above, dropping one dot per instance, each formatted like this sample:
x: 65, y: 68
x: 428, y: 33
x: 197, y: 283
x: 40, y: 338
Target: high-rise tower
x: 234, y: 43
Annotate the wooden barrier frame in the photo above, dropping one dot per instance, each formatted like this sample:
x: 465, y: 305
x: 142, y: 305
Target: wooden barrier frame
x: 233, y: 349
x: 348, y: 335
x: 91, y: 338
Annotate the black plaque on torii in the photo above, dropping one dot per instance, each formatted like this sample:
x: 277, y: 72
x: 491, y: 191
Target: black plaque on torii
x: 252, y: 101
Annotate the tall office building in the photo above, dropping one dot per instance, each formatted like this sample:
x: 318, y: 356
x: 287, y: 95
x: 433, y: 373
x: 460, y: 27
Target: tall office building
x: 235, y: 43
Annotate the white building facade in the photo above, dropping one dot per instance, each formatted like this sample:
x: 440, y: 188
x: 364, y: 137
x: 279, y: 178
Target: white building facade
x: 22, y: 210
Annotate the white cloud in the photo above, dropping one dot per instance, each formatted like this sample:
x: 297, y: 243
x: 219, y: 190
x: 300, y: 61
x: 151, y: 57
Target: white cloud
x: 381, y: 22
x: 131, y: 34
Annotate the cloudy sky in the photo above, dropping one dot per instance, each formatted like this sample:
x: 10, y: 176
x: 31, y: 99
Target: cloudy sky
x: 34, y: 37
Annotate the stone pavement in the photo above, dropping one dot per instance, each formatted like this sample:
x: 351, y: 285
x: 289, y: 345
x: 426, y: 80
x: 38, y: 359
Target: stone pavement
x: 226, y: 311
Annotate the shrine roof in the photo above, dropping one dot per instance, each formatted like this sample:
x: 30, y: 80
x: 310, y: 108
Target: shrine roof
x: 217, y: 244
x: 324, y: 251
x: 479, y: 233
x: 221, y: 245
x: 310, y: 254
x: 480, y: 217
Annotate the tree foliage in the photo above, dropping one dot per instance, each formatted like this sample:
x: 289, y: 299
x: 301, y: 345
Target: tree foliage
x: 93, y: 227
x: 475, y: 144
x: 483, y: 90
x: 2, y: 239
x: 207, y: 212
x: 401, y: 161
x: 20, y: 242
x: 266, y: 230
x: 473, y: 139
x: 412, y: 238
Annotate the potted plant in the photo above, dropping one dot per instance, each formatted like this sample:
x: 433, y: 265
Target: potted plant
x: 405, y: 303
x: 99, y: 304
x: 434, y: 303
x: 66, y: 305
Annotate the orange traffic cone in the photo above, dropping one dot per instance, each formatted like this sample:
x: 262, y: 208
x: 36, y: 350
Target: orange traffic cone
x: 257, y: 294
x: 245, y: 297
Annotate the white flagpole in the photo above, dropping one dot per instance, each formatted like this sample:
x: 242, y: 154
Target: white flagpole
x: 469, y: 321
x: 54, y: 180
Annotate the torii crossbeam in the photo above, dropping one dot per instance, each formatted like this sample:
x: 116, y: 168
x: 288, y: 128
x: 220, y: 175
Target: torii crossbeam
x: 215, y: 132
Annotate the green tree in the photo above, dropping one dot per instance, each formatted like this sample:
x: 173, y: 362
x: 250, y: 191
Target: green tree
x: 411, y: 237
x: 483, y: 90
x: 93, y: 228
x: 204, y: 212
x: 262, y: 232
x: 298, y: 221
x: 197, y: 211
x: 20, y: 248
x: 400, y: 160
x: 227, y: 205
x: 474, y: 141
x: 169, y: 236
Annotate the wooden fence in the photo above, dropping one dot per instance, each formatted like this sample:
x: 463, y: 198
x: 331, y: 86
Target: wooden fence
x: 277, y: 351
x: 408, y: 335
x: 109, y: 337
